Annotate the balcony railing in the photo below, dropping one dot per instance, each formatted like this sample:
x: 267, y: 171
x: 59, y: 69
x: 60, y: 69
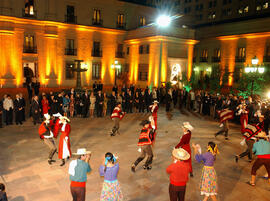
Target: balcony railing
x: 119, y: 54
x: 240, y: 59
x: 96, y: 22
x: 203, y: 59
x: 96, y: 53
x: 215, y: 59
x: 120, y: 25
x: 28, y: 14
x: 29, y: 50
x: 71, y: 52
x: 72, y: 19
x: 266, y: 59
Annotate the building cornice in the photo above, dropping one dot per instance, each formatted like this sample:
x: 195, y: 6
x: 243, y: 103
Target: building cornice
x: 160, y: 38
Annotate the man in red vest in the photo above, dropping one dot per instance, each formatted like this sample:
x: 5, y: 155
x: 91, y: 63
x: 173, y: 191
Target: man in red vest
x: 145, y: 143
x: 116, y: 116
x: 46, y: 134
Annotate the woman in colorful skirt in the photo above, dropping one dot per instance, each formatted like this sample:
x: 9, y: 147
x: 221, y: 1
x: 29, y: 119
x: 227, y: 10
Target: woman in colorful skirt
x: 111, y: 190
x: 208, y: 184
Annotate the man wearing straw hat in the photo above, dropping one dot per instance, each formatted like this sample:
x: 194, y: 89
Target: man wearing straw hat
x: 46, y: 134
x: 78, y: 170
x: 178, y: 171
x: 262, y: 149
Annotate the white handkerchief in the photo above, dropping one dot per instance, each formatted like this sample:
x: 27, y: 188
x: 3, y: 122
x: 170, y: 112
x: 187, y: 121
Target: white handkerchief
x: 139, y: 150
x: 243, y: 142
x: 71, y: 169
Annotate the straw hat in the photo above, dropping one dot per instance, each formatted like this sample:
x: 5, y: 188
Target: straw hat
x: 64, y: 118
x: 187, y: 126
x: 82, y: 151
x: 155, y: 101
x: 57, y: 115
x: 261, y: 134
x: 47, y: 116
x: 180, y: 154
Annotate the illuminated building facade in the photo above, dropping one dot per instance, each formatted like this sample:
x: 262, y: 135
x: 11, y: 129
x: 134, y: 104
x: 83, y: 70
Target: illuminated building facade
x: 231, y: 33
x: 40, y: 40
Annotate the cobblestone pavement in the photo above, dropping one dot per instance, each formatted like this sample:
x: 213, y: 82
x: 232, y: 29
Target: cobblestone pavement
x: 28, y: 177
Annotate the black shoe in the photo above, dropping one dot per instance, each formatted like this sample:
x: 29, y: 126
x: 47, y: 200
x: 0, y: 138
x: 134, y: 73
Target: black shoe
x: 191, y: 174
x: 63, y: 162
x: 133, y: 168
x: 236, y: 159
x: 149, y: 167
x: 145, y: 167
x: 226, y: 138
x: 250, y: 160
x: 50, y: 161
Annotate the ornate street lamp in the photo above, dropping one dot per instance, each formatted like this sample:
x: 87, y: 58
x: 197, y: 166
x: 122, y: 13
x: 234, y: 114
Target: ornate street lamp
x: 78, y: 68
x: 116, y: 66
x: 252, y: 70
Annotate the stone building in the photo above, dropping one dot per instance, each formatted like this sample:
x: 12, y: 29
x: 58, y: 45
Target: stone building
x: 40, y: 40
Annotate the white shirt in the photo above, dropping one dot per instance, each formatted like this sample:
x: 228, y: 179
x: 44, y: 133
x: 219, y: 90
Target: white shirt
x: 8, y: 103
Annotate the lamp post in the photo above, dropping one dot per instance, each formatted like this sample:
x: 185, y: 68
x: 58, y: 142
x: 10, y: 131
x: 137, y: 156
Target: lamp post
x: 162, y: 21
x: 116, y: 66
x: 79, y: 67
x: 253, y: 70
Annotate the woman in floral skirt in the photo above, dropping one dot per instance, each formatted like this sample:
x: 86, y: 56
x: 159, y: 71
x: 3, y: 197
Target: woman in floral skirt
x: 208, y: 185
x: 111, y: 190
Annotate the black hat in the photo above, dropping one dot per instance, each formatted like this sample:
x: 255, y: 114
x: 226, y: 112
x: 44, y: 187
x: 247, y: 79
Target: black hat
x: 144, y: 122
x: 118, y: 103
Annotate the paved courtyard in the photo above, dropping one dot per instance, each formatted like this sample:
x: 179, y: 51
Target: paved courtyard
x: 28, y: 177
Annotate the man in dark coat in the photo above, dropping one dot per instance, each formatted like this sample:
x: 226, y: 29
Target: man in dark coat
x: 85, y: 104
x: 18, y: 110
x: 129, y: 101
x: 99, y: 103
x: 115, y: 89
x: 141, y: 102
x: 35, y: 109
x: 23, y: 106
x: 148, y: 99
x: 113, y: 101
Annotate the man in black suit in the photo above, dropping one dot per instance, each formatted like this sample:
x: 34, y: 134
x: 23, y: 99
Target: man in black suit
x: 113, y: 101
x: 23, y: 106
x: 129, y: 101
x: 18, y: 109
x: 85, y: 104
x: 99, y: 103
x: 35, y: 109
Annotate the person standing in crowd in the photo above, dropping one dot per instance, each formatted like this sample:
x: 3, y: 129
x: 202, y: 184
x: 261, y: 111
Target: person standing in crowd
x: 262, y: 150
x: 148, y: 99
x: 35, y: 109
x: 116, y: 116
x: 141, y: 102
x: 78, y: 170
x: 78, y: 105
x: 72, y: 92
x: 64, y: 141
x: 208, y: 184
x: 113, y: 101
x: 46, y: 135
x: 53, y: 105
x: 3, y: 194
x: 59, y: 103
x: 29, y: 90
x: 136, y: 100
x: 178, y: 171
x: 109, y: 169
x: 124, y: 103
x: 192, y: 100
x: 100, y: 86
x: 105, y: 105
x: 66, y: 102
x: 92, y: 104
x: 99, y: 103
x: 145, y: 145
x: 95, y: 87
x: 36, y: 86
x: 72, y: 105
x: 85, y: 104
x: 168, y: 100
x: 18, y: 110
x: 8, y: 107
x: 119, y: 99
x: 1, y: 114
x: 45, y: 105
x: 185, y: 143
x: 155, y: 94
x: 129, y: 101
x: 23, y: 106
x: 175, y: 96
x: 154, y: 110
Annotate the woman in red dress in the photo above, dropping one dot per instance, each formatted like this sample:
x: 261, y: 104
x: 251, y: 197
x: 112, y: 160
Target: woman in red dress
x: 64, y: 151
x: 45, y: 105
x: 184, y: 142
